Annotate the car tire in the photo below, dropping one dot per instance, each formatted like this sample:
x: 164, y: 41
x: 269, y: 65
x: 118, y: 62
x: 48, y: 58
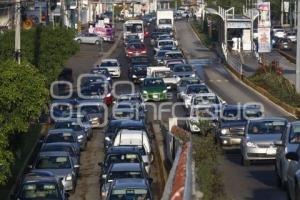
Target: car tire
x: 78, y: 41
x: 297, y: 191
x: 245, y: 162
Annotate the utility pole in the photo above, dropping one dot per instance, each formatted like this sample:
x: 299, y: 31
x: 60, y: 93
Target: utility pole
x: 18, y: 31
x: 62, y: 12
x: 78, y: 16
x: 40, y: 11
x: 298, y: 51
x: 282, y: 13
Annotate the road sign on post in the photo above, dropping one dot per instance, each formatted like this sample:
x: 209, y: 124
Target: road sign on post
x: 264, y: 27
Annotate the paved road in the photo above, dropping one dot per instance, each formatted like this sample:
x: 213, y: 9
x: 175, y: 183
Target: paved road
x: 258, y: 180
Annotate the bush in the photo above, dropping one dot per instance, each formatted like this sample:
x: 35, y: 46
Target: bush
x: 200, y: 31
x: 206, y: 155
x: 271, y: 79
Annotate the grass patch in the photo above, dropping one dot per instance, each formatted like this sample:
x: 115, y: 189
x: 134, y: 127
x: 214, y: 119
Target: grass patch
x: 198, y: 28
x: 207, y: 156
x: 21, y: 146
x: 271, y: 79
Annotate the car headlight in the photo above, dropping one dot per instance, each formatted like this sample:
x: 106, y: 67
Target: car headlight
x: 193, y: 75
x: 134, y: 76
x: 95, y: 119
x: 108, y: 95
x: 145, y: 92
x: 250, y: 144
x: 165, y: 91
x: 79, y: 137
x: 69, y: 177
x: 224, y: 131
x: 108, y: 78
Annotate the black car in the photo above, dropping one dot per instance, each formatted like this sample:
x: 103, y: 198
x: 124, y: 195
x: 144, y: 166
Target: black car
x: 40, y: 185
x: 233, y: 119
x: 137, y: 73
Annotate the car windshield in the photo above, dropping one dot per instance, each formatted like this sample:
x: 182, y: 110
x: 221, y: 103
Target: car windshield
x: 184, y: 68
x: 136, y: 46
x: 40, y: 190
x: 163, y: 74
x: 65, y: 137
x: 109, y: 64
x: 295, y: 134
x: 130, y: 193
x: 68, y: 125
x: 154, y: 82
x: 266, y: 127
x: 206, y: 100
x: 91, y: 109
x: 174, y: 56
x: 124, y: 174
x: 161, y: 53
x: 189, y: 82
x: 123, y: 114
x: 195, y: 89
x: 53, y: 162
x: 103, y: 71
x: 231, y: 114
x: 140, y: 68
x: 164, y: 43
x: 58, y: 148
x: 132, y: 37
x: 122, y: 158
x: 134, y: 28
x: 139, y: 60
x: 165, y: 21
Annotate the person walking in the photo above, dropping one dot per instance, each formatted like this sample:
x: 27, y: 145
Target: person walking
x: 187, y: 17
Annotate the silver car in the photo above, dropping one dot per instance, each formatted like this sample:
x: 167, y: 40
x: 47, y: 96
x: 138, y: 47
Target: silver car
x: 88, y: 38
x: 260, y: 135
x: 293, y: 175
x: 60, y: 164
x: 289, y: 143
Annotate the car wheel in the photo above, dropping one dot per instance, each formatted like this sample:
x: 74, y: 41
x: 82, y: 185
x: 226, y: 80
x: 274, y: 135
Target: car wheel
x: 97, y: 42
x: 245, y: 162
x: 78, y: 41
x: 297, y: 192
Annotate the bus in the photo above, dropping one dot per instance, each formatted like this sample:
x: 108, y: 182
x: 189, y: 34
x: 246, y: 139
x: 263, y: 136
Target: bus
x: 134, y: 27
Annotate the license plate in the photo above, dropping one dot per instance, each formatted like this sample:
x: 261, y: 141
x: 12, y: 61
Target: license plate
x: 271, y: 151
x: 155, y: 96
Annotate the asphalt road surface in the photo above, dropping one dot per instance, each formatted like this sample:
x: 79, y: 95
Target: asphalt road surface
x: 257, y: 181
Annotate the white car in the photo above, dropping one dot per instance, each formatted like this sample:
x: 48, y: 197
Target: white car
x: 162, y: 43
x: 280, y: 33
x: 165, y: 73
x: 191, y: 90
x: 113, y: 67
x: 173, y: 55
x: 292, y: 36
x: 206, y: 99
x: 135, y: 138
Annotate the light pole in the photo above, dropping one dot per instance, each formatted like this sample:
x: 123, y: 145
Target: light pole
x: 18, y: 31
x: 298, y: 51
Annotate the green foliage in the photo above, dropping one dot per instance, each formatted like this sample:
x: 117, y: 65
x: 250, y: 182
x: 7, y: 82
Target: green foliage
x: 206, y: 155
x: 44, y: 47
x: 23, y: 94
x: 173, y: 3
x: 271, y: 79
x: 201, y: 30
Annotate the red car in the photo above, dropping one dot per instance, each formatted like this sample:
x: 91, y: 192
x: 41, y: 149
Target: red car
x: 136, y: 49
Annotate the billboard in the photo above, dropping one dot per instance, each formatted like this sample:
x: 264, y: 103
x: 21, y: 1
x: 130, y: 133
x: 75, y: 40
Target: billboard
x: 264, y: 27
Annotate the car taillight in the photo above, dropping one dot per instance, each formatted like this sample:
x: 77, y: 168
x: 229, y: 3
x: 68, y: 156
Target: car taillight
x: 130, y: 52
x: 144, y: 51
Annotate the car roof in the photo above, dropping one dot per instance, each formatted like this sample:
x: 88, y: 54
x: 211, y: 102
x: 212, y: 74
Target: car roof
x: 118, y: 167
x: 268, y: 119
x: 174, y: 52
x: 60, y: 130
x: 130, y: 183
x: 123, y: 150
x: 125, y: 109
x: 109, y: 60
x: 57, y: 144
x: 36, y: 177
x: 131, y: 132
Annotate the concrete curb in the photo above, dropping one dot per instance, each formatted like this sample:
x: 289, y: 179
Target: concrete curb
x: 292, y: 59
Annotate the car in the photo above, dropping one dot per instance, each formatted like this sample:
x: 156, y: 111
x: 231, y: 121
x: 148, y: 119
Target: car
x: 113, y: 67
x: 130, y: 189
x: 43, y: 185
x: 293, y: 178
x: 136, y: 49
x: 173, y: 55
x: 68, y: 136
x: 83, y: 120
x: 184, y: 82
x: 60, y: 164
x: 103, y: 72
x: 260, y: 135
x: 165, y: 73
x: 94, y: 110
x: 280, y: 33
x: 137, y: 73
x: 207, y: 99
x: 62, y: 146
x: 72, y: 127
x: 191, y: 90
x: 139, y: 109
x: 289, y: 142
x: 61, y: 108
x: 183, y: 70
x: 133, y: 97
x: 232, y: 122
x: 292, y: 36
x: 137, y: 60
x: 125, y: 113
x: 88, y: 38
x: 121, y: 171
x: 161, y: 43
x: 154, y: 89
x: 159, y: 55
x: 284, y: 44
x: 123, y: 154
x: 171, y: 63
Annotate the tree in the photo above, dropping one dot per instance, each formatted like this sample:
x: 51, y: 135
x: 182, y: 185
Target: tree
x: 23, y: 94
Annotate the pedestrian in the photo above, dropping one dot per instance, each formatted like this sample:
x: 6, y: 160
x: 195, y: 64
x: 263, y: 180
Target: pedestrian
x: 187, y: 17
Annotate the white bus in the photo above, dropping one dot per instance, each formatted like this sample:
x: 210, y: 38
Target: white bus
x: 134, y: 27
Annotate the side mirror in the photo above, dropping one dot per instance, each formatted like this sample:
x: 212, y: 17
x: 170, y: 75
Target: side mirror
x: 76, y: 166
x: 292, y: 156
x: 278, y: 143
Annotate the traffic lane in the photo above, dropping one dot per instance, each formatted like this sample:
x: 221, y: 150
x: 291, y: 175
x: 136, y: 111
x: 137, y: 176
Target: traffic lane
x: 256, y: 181
x: 88, y: 184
